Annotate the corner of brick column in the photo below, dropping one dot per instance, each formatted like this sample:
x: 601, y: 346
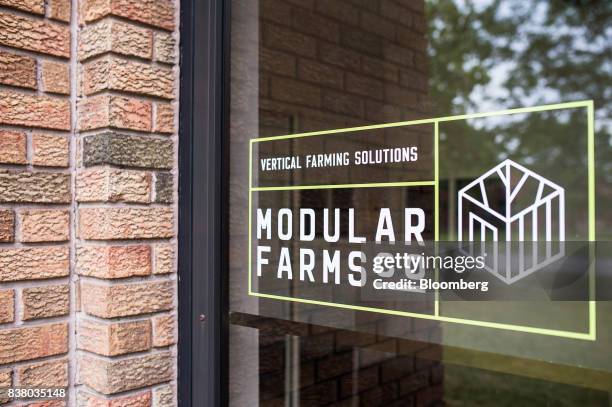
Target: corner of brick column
x: 126, y: 179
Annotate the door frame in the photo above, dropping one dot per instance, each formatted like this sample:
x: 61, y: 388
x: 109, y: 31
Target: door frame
x: 203, y: 226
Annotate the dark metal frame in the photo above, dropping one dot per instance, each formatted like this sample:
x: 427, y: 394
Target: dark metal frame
x: 203, y: 152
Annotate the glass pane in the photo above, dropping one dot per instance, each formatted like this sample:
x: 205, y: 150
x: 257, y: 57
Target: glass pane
x: 399, y: 131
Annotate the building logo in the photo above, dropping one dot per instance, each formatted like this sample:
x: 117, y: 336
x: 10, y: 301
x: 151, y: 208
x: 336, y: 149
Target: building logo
x: 519, y: 208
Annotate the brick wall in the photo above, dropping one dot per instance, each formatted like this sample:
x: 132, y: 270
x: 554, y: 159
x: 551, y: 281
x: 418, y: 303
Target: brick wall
x: 88, y: 153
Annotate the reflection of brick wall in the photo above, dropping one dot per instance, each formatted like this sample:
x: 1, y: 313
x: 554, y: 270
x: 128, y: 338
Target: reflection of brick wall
x: 331, y: 64
x: 328, y: 64
x: 343, y: 63
x: 341, y: 367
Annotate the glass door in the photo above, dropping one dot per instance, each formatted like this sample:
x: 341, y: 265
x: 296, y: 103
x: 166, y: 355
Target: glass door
x: 419, y: 203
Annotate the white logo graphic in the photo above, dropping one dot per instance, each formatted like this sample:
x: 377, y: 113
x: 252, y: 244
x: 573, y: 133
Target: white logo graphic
x: 514, y: 202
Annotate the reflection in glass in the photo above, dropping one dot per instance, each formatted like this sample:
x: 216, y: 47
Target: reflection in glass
x: 313, y: 65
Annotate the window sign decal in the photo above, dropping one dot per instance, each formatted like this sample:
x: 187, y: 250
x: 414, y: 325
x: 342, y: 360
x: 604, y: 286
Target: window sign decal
x: 540, y: 199
x: 320, y: 254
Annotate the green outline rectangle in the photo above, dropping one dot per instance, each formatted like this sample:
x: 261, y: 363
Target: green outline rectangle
x: 591, y: 335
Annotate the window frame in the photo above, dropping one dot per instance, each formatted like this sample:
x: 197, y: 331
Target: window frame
x: 203, y: 228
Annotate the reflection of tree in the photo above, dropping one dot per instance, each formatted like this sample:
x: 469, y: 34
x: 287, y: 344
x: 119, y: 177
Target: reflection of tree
x: 543, y: 51
x: 513, y: 53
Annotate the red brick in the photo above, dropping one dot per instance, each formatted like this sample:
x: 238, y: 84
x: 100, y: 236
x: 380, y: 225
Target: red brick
x: 55, y: 77
x: 410, y: 39
x: 346, y: 340
x: 309, y: 4
x: 7, y: 306
x: 428, y: 357
x: 322, y: 394
x: 339, y: 10
x: 361, y: 41
x: 49, y: 150
x: 378, y: 25
x: 314, y: 24
x: 380, y: 69
x: 397, y: 368
x: 133, y: 400
x: 382, y: 113
x: 130, y: 114
x: 400, y: 96
x: 60, y: 10
x: 34, y: 110
x: 34, y: 263
x: 33, y: 342
x: 364, y: 86
x: 164, y: 118
x: 413, y: 79
x: 343, y: 103
x: 164, y: 328
x: 285, y: 39
x: 325, y: 75
x: 113, y: 185
x: 393, y: 11
x: 274, y: 10
x: 316, y: 346
x: 430, y: 395
x: 165, y: 48
x: 126, y: 223
x: 164, y: 396
x: 165, y: 259
x: 410, y: 384
x: 114, y: 261
x: 159, y: 13
x: 377, y: 353
x: 276, y: 62
x: 47, y: 403
x: 111, y: 301
x: 116, y: 112
x: 421, y: 62
x: 6, y: 381
x: 7, y: 225
x: 415, y: 6
x: 382, y: 395
x: 335, y: 55
x: 52, y: 373
x: 17, y: 70
x: 44, y: 225
x: 12, y: 147
x: 335, y: 365
x: 45, y: 301
x: 116, y: 36
x: 112, y: 339
x: 113, y: 73
x: 31, y: 6
x: 109, y: 376
x: 400, y: 55
x: 34, y: 34
x: 300, y: 93
x: 356, y: 383
x: 437, y: 374
x: 420, y: 25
